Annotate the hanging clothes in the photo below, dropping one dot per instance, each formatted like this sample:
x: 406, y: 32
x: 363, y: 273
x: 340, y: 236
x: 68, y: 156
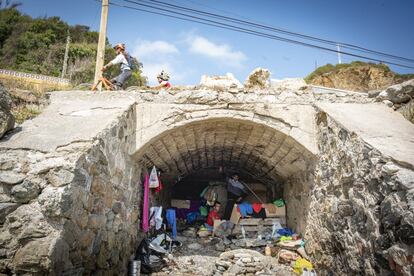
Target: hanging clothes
x: 260, y: 214
x: 153, y: 180
x: 210, y: 195
x: 160, y: 186
x: 156, y: 217
x: 145, y: 208
x: 245, y: 208
x: 172, y: 222
x: 257, y: 207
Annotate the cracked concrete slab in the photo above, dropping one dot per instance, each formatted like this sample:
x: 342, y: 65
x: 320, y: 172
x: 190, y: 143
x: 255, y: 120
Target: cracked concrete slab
x: 380, y: 126
x: 71, y: 117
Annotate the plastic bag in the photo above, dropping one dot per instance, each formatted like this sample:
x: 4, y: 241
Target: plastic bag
x: 154, y: 181
x: 150, y: 262
x: 300, y: 264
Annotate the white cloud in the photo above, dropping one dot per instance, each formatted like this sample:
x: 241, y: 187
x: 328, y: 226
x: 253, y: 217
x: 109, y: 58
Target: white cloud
x: 222, y: 52
x: 151, y: 70
x: 156, y: 56
x: 147, y: 48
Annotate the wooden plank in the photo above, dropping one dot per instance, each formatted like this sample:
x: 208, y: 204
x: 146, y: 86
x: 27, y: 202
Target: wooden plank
x: 250, y: 221
x: 247, y: 228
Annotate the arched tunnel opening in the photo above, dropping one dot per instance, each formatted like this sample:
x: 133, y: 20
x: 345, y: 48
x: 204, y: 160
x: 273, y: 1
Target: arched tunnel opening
x: 197, y: 156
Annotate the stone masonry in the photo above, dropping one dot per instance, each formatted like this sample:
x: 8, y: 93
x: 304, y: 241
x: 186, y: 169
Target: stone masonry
x: 361, y: 208
x: 72, y: 210
x: 70, y: 191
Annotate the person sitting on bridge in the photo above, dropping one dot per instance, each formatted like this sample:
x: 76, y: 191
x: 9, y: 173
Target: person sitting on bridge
x: 163, y: 79
x: 125, y: 60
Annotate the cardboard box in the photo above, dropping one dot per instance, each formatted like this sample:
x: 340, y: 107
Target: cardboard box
x: 179, y: 203
x: 235, y: 215
x: 279, y: 212
x: 217, y: 223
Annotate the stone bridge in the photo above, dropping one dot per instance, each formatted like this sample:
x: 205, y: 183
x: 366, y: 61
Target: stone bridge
x: 71, y: 178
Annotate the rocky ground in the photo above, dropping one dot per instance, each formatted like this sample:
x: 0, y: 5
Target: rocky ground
x: 220, y: 256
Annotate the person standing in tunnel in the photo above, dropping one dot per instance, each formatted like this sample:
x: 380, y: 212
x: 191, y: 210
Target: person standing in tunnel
x: 236, y: 192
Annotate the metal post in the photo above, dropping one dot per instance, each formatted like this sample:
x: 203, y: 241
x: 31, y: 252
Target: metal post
x: 100, y: 55
x: 339, y: 53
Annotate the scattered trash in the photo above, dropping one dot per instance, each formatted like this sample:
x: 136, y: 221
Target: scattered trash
x: 301, y: 264
x: 150, y: 261
x: 286, y: 256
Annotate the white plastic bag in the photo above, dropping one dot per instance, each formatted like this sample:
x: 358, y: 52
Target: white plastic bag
x: 154, y: 181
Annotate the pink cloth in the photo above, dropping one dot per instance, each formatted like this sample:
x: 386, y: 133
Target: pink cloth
x: 145, y: 209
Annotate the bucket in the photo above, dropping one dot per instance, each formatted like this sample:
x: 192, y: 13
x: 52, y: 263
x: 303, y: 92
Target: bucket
x: 134, y: 268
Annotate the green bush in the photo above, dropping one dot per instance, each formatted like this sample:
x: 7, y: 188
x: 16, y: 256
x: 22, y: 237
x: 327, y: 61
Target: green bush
x: 38, y: 46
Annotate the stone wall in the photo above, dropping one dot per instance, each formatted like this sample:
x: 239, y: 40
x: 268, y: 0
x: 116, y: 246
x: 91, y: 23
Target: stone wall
x: 362, y: 207
x: 296, y: 195
x: 73, y: 210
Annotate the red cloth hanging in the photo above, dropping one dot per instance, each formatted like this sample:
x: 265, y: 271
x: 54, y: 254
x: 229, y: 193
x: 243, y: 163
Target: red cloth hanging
x: 160, y: 186
x: 257, y: 207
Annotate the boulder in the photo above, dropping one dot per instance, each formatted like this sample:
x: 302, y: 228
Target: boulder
x: 407, y: 110
x: 220, y: 82
x: 399, y: 93
x: 259, y: 78
x: 6, y: 117
x: 288, y: 84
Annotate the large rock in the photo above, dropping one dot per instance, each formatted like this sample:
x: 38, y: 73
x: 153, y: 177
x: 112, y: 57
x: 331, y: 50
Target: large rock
x: 407, y: 110
x: 220, y: 82
x: 6, y: 117
x: 288, y: 84
x: 399, y: 93
x: 259, y: 78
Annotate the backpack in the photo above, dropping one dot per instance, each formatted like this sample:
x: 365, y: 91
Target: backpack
x: 131, y: 61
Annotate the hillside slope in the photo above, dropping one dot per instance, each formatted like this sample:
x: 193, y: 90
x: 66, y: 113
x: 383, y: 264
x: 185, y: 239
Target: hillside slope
x: 356, y: 76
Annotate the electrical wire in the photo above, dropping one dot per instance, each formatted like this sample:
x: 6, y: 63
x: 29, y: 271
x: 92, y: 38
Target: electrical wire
x: 242, y: 30
x: 274, y: 29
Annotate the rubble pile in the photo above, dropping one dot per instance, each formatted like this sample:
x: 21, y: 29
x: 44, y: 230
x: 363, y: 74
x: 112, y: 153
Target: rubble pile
x: 248, y: 262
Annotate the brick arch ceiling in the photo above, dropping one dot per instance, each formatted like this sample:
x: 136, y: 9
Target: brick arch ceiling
x: 260, y: 150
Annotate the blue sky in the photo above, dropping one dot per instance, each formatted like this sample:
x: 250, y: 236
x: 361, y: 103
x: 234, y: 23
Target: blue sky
x: 188, y: 50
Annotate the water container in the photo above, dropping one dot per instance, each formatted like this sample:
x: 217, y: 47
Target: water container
x: 243, y: 232
x: 135, y: 268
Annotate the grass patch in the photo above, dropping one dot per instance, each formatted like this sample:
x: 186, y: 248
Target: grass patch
x: 23, y: 113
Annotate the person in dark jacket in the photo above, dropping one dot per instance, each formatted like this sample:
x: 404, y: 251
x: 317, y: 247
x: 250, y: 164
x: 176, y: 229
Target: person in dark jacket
x: 236, y: 192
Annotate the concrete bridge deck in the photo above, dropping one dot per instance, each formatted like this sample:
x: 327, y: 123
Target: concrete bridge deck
x: 80, y: 116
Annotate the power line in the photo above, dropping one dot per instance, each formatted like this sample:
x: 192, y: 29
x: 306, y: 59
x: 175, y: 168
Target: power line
x: 244, y: 30
x: 278, y: 30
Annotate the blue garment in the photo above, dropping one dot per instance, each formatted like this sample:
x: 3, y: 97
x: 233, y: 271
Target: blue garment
x: 245, y: 209
x: 285, y: 232
x: 209, y: 227
x: 172, y: 222
x: 191, y: 217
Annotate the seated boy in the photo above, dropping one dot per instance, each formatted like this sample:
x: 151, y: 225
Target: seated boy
x: 213, y: 215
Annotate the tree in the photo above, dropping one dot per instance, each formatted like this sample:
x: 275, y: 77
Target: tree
x: 37, y: 45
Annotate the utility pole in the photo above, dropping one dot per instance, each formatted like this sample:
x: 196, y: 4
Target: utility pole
x: 100, y: 55
x: 65, y: 60
x: 339, y: 53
